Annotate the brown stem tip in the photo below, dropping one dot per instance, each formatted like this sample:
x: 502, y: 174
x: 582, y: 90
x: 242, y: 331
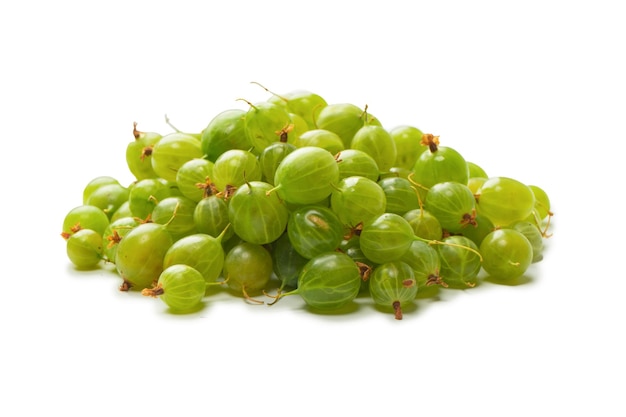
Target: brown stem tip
x: 125, y: 286
x: 469, y: 219
x: 153, y: 292
x: 146, y: 152
x: 228, y: 192
x: 354, y: 231
x: 136, y: 133
x: 397, y: 309
x: 114, y: 239
x: 283, y: 134
x: 365, y: 270
x: 430, y: 140
x: 208, y: 188
x: 435, y: 279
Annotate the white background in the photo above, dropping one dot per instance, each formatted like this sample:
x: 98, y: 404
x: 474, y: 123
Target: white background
x: 532, y: 90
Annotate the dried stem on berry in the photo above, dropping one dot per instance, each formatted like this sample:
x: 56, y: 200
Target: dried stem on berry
x: 354, y: 231
x: 469, y: 219
x: 146, y: 152
x: 136, y: 133
x: 208, y: 188
x: 430, y: 140
x: 365, y: 270
x: 397, y: 309
x: 228, y: 192
x: 114, y: 239
x: 435, y: 279
x: 284, y: 132
x: 126, y: 286
x: 153, y: 292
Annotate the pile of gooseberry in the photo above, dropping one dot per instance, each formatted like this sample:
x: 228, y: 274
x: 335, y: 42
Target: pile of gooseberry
x: 295, y: 196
